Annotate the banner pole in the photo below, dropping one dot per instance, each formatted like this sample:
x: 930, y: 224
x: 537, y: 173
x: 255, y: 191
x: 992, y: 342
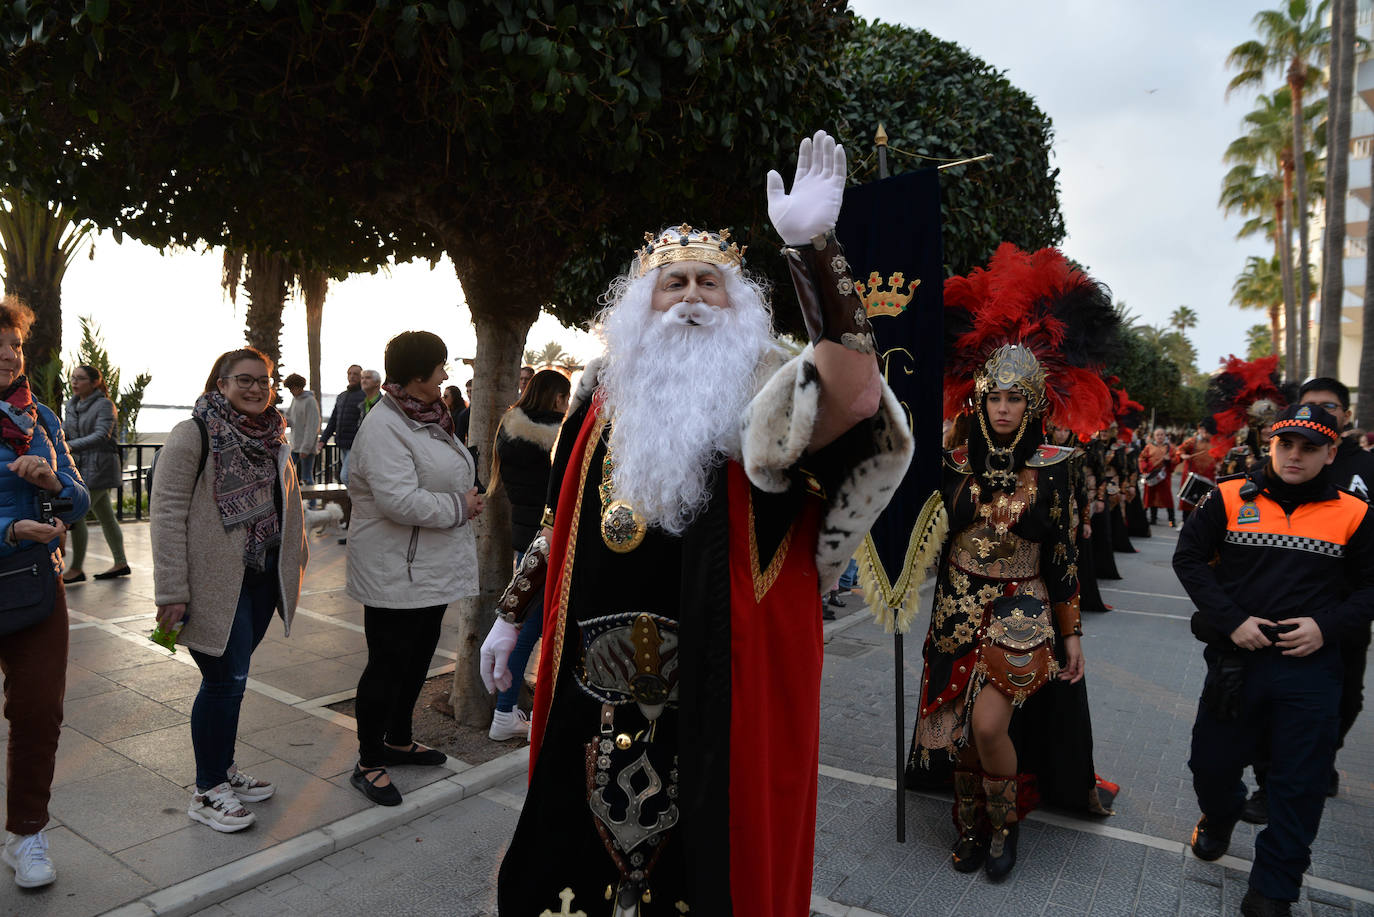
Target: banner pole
x: 898, y: 662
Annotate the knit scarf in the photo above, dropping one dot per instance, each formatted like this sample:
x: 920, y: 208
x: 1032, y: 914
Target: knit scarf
x: 18, y: 416
x: 245, y: 451
x: 421, y: 411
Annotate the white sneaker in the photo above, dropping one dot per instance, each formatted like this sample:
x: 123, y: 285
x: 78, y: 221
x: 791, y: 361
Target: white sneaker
x: 513, y: 724
x: 249, y: 789
x: 27, y: 854
x: 221, y: 809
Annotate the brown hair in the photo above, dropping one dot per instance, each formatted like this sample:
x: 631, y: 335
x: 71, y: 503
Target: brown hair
x: 225, y: 361
x: 14, y: 313
x: 97, y: 380
x: 543, y: 390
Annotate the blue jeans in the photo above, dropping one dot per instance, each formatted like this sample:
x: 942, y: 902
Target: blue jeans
x: 305, y: 466
x: 530, y: 632
x: 215, y: 713
x: 850, y: 577
x: 343, y: 466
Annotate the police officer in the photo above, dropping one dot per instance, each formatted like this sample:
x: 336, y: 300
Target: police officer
x: 1293, y: 579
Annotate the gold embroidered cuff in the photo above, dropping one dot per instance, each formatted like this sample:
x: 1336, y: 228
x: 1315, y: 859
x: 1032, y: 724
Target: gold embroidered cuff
x: 546, y: 521
x: 1067, y: 619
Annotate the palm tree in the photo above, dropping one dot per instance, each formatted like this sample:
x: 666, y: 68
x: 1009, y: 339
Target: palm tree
x: 37, y: 245
x: 1292, y: 42
x: 1258, y: 342
x: 266, y: 277
x: 1338, y: 171
x: 1260, y: 286
x: 551, y: 355
x: 1183, y: 318
x: 313, y: 284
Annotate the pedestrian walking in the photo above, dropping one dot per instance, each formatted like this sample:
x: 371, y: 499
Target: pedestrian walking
x: 92, y: 433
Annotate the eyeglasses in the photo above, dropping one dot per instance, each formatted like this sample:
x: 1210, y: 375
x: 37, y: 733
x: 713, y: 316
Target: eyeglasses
x: 245, y: 381
x: 1330, y: 406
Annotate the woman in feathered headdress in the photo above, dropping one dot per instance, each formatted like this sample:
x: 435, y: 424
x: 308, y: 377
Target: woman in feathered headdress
x: 1244, y: 398
x: 1026, y: 340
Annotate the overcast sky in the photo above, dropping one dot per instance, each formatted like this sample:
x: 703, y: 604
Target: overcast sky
x: 1136, y: 93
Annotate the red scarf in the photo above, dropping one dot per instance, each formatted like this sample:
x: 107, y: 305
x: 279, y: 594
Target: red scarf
x: 18, y: 416
x: 421, y: 411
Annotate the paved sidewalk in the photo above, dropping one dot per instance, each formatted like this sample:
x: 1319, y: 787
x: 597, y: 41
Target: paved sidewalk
x: 121, y: 837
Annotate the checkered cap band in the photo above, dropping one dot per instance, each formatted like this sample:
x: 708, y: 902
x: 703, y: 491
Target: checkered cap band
x: 1292, y: 542
x: 1321, y: 428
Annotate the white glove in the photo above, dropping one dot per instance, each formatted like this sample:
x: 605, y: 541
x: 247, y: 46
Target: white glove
x: 813, y: 207
x: 496, y: 650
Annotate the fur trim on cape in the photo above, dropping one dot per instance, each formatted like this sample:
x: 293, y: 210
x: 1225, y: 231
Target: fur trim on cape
x: 518, y: 425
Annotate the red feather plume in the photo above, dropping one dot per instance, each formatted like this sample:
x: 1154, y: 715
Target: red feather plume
x: 1232, y: 391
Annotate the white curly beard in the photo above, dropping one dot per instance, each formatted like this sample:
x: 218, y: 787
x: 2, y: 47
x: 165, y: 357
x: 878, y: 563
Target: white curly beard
x: 676, y: 384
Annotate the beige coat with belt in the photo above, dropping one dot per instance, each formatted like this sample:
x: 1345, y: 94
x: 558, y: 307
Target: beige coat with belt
x: 196, y: 560
x: 409, y: 543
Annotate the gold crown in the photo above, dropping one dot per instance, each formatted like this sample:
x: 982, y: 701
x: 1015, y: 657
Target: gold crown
x: 683, y: 243
x: 878, y: 301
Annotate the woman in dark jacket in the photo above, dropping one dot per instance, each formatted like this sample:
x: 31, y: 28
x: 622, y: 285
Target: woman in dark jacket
x: 523, y: 443
x: 92, y: 437
x: 40, y: 495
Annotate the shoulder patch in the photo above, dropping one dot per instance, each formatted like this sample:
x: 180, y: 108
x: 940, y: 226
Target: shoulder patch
x: 1249, y: 512
x: 1048, y: 455
x: 957, y: 459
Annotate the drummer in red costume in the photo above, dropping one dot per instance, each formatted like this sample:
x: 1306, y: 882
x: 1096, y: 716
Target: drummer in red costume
x: 1195, y: 455
x: 705, y: 486
x: 1157, y: 462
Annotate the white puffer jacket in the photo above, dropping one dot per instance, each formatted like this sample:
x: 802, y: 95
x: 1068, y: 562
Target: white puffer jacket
x: 409, y: 544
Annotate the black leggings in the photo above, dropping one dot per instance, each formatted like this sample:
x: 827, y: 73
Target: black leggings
x: 400, y: 644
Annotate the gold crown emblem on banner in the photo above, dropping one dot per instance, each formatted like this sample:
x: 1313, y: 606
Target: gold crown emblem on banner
x: 886, y: 301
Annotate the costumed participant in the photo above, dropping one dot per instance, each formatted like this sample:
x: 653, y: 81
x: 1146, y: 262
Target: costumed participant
x: 1104, y: 456
x: 1006, y: 618
x: 674, y: 743
x: 1089, y: 597
x: 1243, y: 398
x: 1130, y: 414
x: 1195, y: 456
x: 1157, y: 462
x: 1129, y: 494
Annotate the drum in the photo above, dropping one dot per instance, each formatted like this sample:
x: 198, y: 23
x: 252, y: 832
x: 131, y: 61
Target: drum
x: 1194, y: 488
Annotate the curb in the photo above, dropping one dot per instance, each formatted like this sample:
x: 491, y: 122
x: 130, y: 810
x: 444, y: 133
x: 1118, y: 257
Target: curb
x: 224, y: 882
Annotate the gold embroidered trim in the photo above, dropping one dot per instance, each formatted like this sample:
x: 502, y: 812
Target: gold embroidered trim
x: 570, y: 553
x: 894, y: 603
x: 764, y: 579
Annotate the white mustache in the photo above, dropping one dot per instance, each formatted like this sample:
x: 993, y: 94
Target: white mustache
x: 692, y: 313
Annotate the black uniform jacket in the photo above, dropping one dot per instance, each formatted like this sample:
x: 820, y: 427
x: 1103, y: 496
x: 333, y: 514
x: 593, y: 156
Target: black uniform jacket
x: 1276, y: 560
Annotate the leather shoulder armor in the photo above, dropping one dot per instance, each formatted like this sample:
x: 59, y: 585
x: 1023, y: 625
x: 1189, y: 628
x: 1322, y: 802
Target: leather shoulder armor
x: 1049, y: 455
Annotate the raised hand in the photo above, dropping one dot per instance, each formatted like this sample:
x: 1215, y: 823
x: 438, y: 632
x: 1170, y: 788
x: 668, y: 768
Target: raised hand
x: 813, y: 206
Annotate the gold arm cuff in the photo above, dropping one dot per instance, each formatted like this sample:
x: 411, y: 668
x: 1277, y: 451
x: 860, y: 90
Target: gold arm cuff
x: 546, y: 521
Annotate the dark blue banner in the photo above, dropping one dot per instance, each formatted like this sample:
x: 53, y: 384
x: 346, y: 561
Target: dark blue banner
x: 890, y: 230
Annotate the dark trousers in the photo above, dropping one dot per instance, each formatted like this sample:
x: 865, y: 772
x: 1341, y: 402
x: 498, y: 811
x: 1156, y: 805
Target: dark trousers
x: 34, y: 662
x: 1154, y: 514
x: 1299, y: 699
x: 215, y: 713
x: 400, y: 644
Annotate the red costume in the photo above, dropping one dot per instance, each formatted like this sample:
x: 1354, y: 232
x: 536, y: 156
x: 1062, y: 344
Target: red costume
x: 1157, y: 463
x: 1196, y: 457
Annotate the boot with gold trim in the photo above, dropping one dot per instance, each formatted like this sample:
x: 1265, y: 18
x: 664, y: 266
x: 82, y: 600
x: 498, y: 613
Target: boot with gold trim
x: 972, y: 846
x: 1002, y: 818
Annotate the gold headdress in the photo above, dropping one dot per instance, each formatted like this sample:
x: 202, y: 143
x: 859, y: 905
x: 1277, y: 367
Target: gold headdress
x: 1013, y: 366
x: 683, y: 243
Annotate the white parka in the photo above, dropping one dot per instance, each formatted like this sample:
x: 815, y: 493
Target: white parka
x: 409, y: 544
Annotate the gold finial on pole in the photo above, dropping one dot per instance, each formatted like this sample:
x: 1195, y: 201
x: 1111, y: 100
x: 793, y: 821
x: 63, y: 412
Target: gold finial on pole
x: 880, y: 138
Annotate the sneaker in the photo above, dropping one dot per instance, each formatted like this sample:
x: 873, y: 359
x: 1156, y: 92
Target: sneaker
x: 27, y: 855
x: 249, y: 789
x: 512, y: 724
x: 221, y: 809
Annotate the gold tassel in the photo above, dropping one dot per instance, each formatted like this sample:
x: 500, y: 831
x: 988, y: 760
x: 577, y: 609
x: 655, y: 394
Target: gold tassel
x: 894, y: 605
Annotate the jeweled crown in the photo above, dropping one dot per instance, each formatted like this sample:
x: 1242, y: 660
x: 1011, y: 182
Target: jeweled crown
x: 683, y: 243
x: 1013, y: 366
x: 879, y: 301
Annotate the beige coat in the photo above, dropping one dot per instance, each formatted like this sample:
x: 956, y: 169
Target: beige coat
x: 197, y: 561
x: 409, y: 544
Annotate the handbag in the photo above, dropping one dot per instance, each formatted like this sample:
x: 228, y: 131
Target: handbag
x: 28, y: 588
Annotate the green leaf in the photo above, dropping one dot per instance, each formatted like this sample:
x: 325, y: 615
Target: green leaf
x: 457, y: 13
x: 268, y: 5
x: 97, y: 10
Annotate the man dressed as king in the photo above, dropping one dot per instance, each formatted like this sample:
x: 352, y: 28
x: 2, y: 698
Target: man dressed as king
x: 706, y: 487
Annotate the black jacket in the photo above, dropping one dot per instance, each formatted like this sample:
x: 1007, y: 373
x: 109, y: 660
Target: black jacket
x: 1278, y: 558
x: 345, y: 418
x: 1353, y: 470
x: 524, y: 442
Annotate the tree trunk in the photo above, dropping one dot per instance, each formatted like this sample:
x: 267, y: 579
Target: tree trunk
x: 314, y: 286
x: 1290, y: 303
x: 44, y: 341
x: 501, y: 333
x: 1364, y: 409
x: 265, y: 281
x: 1297, y: 76
x: 1337, y: 181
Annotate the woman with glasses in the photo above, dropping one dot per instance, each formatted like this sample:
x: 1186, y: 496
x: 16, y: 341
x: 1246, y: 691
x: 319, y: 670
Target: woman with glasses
x: 229, y: 551
x: 92, y: 437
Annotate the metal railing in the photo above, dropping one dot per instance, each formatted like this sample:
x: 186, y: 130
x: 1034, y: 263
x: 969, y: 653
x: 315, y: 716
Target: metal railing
x: 137, y: 458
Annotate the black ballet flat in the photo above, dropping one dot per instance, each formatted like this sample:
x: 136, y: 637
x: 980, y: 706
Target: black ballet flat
x: 429, y: 757
x: 364, y: 779
x: 111, y: 574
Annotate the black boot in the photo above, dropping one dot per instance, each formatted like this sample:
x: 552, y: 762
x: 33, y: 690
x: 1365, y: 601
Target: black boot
x: 1211, y: 840
x: 1001, y: 802
x: 972, y: 845
x: 1256, y: 810
x: 1256, y: 905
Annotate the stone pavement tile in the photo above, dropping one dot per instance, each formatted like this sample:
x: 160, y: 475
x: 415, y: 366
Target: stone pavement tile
x: 1157, y: 898
x: 1073, y: 896
x: 160, y: 681
x: 256, y: 713
x: 80, y: 757
x: 303, y: 802
x: 253, y: 903
x: 314, y: 679
x: 108, y: 653
x: 88, y: 882
x: 279, y: 654
x: 122, y: 808
x: 191, y: 850
x: 118, y: 715
x: 327, y: 640
x: 1199, y: 896
x: 169, y: 754
x: 312, y: 744
x: 331, y: 603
